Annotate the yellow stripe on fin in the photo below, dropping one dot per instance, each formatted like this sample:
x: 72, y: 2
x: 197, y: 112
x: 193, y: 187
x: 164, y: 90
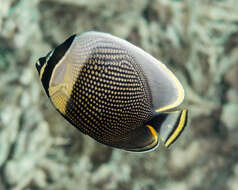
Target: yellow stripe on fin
x: 142, y: 139
x: 179, y: 129
x: 42, y: 70
x: 153, y: 132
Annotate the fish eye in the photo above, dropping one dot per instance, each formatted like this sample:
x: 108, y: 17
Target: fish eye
x: 39, y: 64
x: 43, y: 60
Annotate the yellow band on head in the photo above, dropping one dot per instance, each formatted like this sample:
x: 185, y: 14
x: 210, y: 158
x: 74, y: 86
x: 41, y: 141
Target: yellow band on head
x: 179, y: 129
x: 42, y: 70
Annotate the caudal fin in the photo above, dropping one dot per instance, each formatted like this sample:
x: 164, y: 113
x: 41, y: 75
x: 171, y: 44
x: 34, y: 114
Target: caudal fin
x: 170, y: 125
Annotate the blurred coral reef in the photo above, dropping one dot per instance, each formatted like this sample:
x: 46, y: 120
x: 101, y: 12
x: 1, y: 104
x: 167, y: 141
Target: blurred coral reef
x: 198, y: 40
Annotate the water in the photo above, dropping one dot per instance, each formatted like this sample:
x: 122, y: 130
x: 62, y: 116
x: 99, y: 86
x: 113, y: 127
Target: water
x: 197, y: 40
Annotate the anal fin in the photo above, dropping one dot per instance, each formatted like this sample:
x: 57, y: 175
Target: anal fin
x: 141, y: 139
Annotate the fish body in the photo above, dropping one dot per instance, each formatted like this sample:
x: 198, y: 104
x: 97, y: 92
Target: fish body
x: 113, y: 91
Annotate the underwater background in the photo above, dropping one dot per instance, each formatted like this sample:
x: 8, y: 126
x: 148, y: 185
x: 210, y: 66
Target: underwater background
x: 196, y: 39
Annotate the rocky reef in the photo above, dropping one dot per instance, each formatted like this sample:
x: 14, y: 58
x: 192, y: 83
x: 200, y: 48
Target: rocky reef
x: 197, y: 40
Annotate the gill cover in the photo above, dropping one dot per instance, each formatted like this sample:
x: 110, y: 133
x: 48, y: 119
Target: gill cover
x: 113, y: 91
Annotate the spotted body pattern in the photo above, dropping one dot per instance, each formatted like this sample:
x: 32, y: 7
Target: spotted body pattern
x: 108, y: 92
x: 113, y: 91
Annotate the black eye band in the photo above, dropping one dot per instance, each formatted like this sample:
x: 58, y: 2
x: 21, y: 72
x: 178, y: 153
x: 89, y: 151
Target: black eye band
x: 40, y: 63
x: 53, y: 59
